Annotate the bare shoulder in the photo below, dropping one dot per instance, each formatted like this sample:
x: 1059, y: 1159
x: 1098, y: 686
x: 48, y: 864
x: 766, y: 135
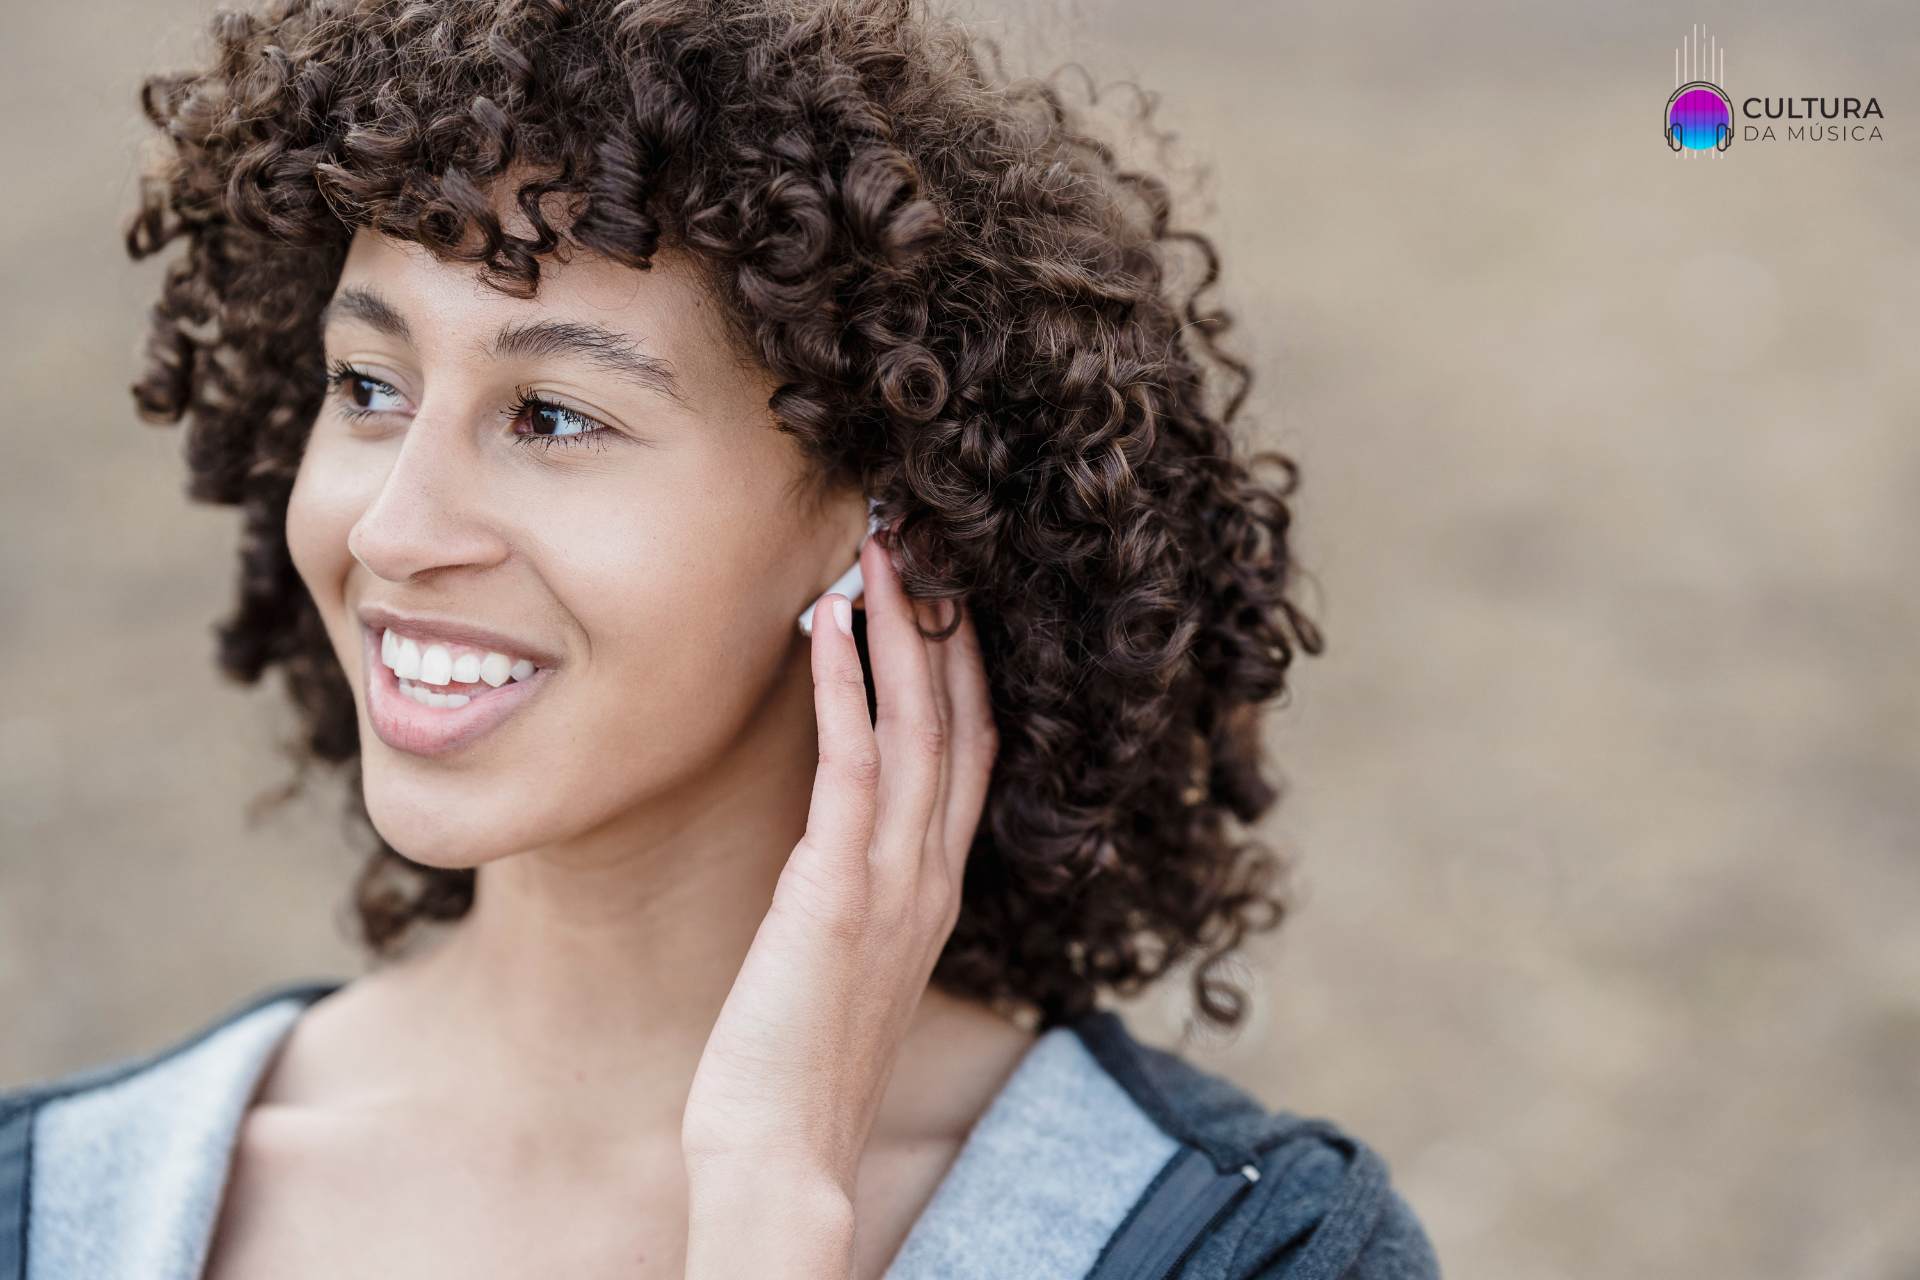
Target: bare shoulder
x: 333, y: 1050
x: 956, y: 1059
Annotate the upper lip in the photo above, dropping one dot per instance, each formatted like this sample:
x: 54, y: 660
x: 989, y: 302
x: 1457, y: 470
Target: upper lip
x: 440, y: 627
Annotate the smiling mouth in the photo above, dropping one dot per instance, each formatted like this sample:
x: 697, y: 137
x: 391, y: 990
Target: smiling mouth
x: 435, y: 719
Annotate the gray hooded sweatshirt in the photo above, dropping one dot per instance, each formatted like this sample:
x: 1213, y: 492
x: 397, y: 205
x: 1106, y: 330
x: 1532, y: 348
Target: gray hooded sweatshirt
x: 1099, y: 1157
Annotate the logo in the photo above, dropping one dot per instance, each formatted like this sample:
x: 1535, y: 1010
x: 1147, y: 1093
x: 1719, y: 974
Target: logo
x: 1701, y: 117
x: 1699, y: 114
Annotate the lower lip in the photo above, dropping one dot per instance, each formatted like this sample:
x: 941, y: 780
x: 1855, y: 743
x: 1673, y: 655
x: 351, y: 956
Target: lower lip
x: 405, y: 725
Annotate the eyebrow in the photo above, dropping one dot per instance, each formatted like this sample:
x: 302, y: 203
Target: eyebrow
x: 604, y: 348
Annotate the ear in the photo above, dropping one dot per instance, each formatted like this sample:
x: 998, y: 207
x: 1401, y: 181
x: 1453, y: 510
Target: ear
x: 849, y: 582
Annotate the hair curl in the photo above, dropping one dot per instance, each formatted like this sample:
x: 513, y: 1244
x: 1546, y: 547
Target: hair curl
x: 969, y: 304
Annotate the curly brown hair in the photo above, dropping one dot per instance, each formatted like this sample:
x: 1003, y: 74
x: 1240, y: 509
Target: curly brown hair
x: 971, y: 307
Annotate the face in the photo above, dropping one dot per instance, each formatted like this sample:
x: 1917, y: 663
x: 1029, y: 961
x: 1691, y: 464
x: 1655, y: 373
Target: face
x: 573, y: 511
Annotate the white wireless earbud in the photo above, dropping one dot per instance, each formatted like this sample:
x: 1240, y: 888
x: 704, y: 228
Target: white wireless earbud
x: 849, y: 584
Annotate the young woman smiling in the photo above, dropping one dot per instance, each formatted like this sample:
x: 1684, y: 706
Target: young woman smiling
x: 562, y: 356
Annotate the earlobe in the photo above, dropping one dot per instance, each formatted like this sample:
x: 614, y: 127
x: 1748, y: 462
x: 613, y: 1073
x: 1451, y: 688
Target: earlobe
x: 849, y: 584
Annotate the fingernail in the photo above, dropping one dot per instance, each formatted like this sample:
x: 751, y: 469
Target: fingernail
x: 843, y: 614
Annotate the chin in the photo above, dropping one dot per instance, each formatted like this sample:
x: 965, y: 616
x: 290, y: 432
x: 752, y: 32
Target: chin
x: 439, y: 824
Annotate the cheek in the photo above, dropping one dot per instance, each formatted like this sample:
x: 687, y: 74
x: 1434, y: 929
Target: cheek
x: 320, y: 513
x: 686, y: 629
x: 642, y: 594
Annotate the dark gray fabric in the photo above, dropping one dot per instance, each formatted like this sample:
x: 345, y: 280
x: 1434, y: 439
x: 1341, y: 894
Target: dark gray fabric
x: 16, y: 1151
x: 1323, y: 1206
x: 1172, y: 1218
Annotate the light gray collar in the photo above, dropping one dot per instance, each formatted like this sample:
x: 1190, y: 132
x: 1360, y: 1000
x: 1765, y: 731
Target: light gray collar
x: 127, y: 1176
x: 1045, y: 1177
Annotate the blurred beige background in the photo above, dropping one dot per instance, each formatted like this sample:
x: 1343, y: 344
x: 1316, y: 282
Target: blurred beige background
x: 1606, y: 796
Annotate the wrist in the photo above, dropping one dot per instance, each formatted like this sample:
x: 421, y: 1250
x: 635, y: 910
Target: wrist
x: 768, y: 1218
x: 802, y: 1166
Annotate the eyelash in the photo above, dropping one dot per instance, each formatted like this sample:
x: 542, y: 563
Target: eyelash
x: 340, y: 375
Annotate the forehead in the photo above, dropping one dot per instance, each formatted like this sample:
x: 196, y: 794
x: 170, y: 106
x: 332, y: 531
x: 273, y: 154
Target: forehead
x: 667, y: 309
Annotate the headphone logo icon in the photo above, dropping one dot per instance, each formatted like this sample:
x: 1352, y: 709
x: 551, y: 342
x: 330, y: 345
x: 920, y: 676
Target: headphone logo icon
x: 1699, y: 116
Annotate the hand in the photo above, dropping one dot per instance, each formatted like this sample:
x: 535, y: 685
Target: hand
x: 793, y: 1072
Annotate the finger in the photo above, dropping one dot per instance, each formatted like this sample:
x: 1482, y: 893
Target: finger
x: 906, y: 720
x: 974, y: 739
x: 845, y: 786
x: 936, y: 616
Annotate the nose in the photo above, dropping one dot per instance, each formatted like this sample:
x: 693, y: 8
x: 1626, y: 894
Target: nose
x: 433, y: 510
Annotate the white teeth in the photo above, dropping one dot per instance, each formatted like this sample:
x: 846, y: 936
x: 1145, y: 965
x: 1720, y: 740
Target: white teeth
x: 428, y: 698
x: 436, y: 665
x: 496, y: 670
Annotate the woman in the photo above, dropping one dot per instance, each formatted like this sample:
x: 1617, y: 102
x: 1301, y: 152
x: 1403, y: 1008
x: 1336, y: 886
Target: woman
x: 565, y: 358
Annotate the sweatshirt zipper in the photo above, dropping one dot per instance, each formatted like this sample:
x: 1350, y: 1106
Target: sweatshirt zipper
x: 1190, y: 1199
x: 1243, y: 1181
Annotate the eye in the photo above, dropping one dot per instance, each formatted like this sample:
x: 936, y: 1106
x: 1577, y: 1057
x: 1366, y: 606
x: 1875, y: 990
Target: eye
x: 550, y: 424
x: 354, y: 388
